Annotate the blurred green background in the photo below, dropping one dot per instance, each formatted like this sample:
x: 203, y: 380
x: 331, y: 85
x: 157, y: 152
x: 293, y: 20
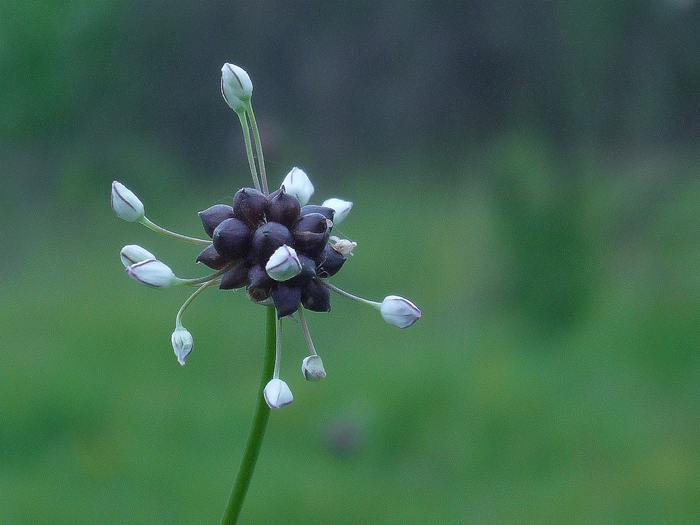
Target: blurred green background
x: 526, y: 172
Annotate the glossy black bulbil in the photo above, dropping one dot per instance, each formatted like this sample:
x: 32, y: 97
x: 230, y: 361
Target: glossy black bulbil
x: 245, y: 235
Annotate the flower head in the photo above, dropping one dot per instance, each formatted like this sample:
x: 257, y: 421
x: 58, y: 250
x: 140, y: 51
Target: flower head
x: 277, y: 246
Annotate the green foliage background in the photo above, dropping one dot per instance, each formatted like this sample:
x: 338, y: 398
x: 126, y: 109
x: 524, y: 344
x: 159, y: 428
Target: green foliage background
x: 526, y: 172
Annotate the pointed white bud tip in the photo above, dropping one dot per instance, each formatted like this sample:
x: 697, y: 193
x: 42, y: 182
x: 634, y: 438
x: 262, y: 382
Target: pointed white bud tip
x: 344, y: 247
x: 277, y: 394
x: 182, y: 344
x: 399, y: 311
x: 283, y: 264
x: 132, y: 254
x: 312, y: 368
x: 152, y: 273
x: 297, y: 183
x: 341, y: 208
x: 125, y: 204
x: 236, y: 86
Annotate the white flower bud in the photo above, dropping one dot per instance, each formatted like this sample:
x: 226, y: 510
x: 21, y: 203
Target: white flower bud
x: 125, y: 204
x: 182, y: 343
x: 277, y: 394
x: 152, y: 273
x: 297, y: 183
x: 236, y: 86
x: 312, y: 368
x: 132, y: 254
x: 341, y: 208
x: 344, y: 247
x: 283, y: 264
x: 399, y: 311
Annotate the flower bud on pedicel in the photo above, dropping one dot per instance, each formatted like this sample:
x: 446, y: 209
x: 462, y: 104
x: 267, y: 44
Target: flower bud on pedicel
x: 297, y: 183
x: 152, y: 273
x: 277, y: 394
x: 399, y: 311
x: 236, y: 86
x: 283, y: 264
x: 132, y: 254
x: 341, y: 207
x: 125, y: 203
x: 312, y: 368
x: 182, y: 344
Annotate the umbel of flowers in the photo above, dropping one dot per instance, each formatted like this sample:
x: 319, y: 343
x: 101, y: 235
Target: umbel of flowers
x: 275, y: 245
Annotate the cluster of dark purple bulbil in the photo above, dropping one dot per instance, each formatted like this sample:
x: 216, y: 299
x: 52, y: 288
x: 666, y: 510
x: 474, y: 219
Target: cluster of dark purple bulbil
x: 245, y: 235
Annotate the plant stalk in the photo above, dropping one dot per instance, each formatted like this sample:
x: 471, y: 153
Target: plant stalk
x: 257, y: 432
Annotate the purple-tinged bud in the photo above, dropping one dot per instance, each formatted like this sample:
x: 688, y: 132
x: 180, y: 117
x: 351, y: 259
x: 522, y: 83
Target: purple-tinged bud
x: 126, y: 204
x: 328, y: 213
x: 284, y: 208
x: 283, y: 264
x: 330, y: 262
x: 260, y: 284
x: 236, y: 277
x: 250, y: 206
x: 215, y: 215
x: 132, y: 254
x: 232, y: 238
x: 152, y: 273
x: 236, y: 86
x: 297, y: 183
x: 268, y: 238
x: 277, y: 394
x: 213, y: 259
x: 312, y: 368
x: 316, y: 297
x: 182, y: 344
x: 311, y: 234
x: 286, y: 299
x: 341, y: 207
x: 399, y: 311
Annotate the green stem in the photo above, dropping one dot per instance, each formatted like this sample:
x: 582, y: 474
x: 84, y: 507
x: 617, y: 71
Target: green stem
x: 258, y: 147
x: 257, y: 432
x: 248, y: 148
x: 159, y: 229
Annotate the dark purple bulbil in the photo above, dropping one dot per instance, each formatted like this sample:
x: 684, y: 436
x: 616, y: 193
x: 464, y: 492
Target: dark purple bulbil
x: 250, y: 232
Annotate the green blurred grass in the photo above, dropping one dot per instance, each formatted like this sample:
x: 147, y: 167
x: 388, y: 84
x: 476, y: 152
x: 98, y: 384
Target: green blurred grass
x: 553, y: 377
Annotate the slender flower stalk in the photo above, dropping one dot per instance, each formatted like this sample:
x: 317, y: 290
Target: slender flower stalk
x: 249, y: 149
x: 258, y: 146
x: 348, y: 295
x: 145, y: 221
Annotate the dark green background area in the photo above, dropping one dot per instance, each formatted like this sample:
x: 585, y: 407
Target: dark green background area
x: 526, y: 172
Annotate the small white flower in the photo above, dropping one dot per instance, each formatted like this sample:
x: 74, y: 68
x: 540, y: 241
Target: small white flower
x: 132, y: 254
x: 312, y: 368
x: 283, y: 264
x: 152, y: 273
x: 344, y: 247
x: 182, y: 344
x: 125, y: 204
x: 399, y: 311
x: 277, y: 394
x: 341, y: 208
x: 297, y: 183
x: 236, y: 86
